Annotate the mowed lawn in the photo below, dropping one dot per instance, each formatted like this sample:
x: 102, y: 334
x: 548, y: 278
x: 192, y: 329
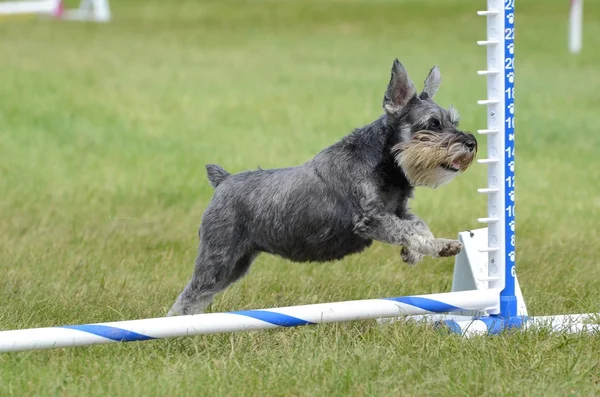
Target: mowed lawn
x: 104, y: 134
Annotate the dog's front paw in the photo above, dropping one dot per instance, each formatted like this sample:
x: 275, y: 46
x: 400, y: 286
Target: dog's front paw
x: 410, y: 257
x: 449, y: 247
x: 362, y: 225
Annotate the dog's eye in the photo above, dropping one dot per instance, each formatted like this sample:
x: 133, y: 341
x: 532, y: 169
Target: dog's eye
x: 434, y: 125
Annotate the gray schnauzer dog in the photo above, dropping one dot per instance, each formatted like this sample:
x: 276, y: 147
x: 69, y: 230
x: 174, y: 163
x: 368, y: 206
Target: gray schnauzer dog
x: 351, y: 193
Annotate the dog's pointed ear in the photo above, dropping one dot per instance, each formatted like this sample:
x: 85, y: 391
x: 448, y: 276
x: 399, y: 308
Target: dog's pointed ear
x: 400, y: 90
x: 432, y: 83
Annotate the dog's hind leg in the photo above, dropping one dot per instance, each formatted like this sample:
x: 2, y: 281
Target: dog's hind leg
x: 213, y: 272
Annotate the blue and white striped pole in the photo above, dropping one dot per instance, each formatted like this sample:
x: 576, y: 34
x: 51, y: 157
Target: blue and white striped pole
x: 247, y: 320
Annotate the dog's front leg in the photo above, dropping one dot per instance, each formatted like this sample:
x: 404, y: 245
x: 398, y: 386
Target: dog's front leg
x: 409, y: 256
x: 414, y: 235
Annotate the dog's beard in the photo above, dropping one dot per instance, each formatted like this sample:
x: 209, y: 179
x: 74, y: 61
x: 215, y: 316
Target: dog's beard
x: 432, y: 159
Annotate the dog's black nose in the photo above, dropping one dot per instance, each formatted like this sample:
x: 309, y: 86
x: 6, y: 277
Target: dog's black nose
x: 471, y: 142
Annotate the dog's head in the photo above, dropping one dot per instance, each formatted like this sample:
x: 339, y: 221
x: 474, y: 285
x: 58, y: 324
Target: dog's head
x: 428, y: 146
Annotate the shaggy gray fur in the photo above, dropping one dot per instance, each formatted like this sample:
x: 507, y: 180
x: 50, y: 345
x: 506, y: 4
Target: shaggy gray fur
x: 336, y: 204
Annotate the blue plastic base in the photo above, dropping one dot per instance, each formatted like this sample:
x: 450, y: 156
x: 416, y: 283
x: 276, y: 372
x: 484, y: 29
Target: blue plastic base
x: 508, y: 306
x: 495, y: 324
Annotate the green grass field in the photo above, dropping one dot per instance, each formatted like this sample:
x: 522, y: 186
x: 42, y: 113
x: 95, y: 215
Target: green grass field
x: 104, y: 134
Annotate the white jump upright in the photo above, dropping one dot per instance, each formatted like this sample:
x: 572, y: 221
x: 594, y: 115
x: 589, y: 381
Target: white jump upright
x: 485, y: 297
x: 89, y: 10
x: 575, y: 26
x: 488, y: 258
x: 47, y: 7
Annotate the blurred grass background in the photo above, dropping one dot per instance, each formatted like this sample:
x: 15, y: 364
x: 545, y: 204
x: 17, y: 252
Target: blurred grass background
x: 104, y: 134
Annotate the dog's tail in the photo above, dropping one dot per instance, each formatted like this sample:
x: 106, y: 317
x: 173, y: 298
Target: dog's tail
x: 216, y: 174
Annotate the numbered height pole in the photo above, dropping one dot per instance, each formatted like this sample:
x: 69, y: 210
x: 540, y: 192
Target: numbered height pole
x: 508, y: 300
x: 500, y: 159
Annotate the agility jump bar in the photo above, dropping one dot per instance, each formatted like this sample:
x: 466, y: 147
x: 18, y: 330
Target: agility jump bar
x: 246, y: 320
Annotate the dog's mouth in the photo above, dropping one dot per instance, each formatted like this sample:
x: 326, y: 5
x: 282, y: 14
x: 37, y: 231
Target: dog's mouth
x: 452, y: 167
